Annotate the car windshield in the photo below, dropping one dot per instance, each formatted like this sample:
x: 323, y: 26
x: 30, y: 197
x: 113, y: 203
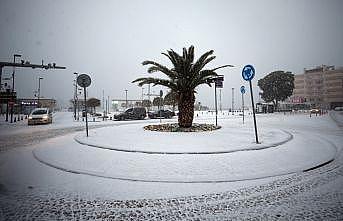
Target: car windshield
x: 38, y: 112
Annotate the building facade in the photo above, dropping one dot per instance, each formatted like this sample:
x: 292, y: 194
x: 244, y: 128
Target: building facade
x: 320, y: 87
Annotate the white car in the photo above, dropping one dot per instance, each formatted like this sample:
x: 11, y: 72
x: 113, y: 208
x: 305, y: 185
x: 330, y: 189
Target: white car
x: 40, y: 116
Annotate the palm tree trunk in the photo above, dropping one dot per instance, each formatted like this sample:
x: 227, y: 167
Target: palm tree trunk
x: 186, y: 109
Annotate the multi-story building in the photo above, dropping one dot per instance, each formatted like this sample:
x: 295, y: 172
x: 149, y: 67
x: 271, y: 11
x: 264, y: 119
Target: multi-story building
x: 321, y: 87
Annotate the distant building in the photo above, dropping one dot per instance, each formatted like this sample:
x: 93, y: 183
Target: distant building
x: 321, y: 87
x: 26, y: 105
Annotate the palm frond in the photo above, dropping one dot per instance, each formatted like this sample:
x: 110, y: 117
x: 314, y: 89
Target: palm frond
x: 204, y: 75
x: 199, y: 62
x: 158, y: 67
x: 156, y: 81
x: 224, y: 66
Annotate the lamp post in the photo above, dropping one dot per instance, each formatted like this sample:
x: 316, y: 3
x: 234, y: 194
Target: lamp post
x: 76, y: 100
x: 12, y: 106
x: 233, y: 97
x: 142, y: 95
x: 220, y: 100
x: 126, y: 99
x: 40, y: 78
x: 75, y: 94
x: 108, y: 104
x: 14, y: 56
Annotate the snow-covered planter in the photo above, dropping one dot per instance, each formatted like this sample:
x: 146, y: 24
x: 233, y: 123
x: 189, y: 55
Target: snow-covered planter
x: 175, y: 128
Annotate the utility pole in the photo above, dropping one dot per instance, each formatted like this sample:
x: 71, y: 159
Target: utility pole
x: 220, y: 100
x: 108, y: 103
x: 103, y: 100
x: 215, y: 102
x: 76, y: 100
x: 75, y: 93
x: 142, y: 95
x: 40, y: 78
x: 233, y: 97
x: 12, y: 106
x: 149, y: 92
x: 243, y: 105
x: 126, y: 99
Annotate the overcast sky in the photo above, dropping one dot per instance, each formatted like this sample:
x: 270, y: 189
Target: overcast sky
x: 109, y: 39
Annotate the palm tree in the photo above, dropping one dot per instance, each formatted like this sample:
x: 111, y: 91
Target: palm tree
x: 184, y: 77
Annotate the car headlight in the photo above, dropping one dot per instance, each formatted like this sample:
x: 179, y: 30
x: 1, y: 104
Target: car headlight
x: 30, y: 118
x: 45, y: 117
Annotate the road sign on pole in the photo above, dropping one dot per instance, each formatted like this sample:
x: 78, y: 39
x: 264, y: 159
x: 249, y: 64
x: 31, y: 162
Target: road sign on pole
x: 242, y: 89
x: 84, y: 81
x: 248, y: 74
x: 219, y: 81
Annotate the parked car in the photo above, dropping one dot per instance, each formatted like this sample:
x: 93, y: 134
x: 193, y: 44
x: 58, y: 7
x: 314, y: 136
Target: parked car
x: 161, y: 114
x: 135, y: 113
x: 40, y: 116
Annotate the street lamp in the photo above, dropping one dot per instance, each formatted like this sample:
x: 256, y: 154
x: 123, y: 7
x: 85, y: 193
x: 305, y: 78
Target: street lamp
x: 14, y: 56
x: 233, y: 97
x: 40, y: 78
x: 12, y: 106
x: 76, y: 100
x: 142, y: 95
x: 126, y: 98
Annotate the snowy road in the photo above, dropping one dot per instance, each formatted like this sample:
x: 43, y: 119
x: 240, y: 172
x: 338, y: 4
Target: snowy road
x: 20, y: 134
x: 32, y: 190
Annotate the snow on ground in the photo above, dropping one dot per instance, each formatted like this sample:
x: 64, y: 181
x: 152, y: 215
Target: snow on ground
x: 30, y: 189
x: 60, y: 120
x: 228, y: 154
x: 233, y: 136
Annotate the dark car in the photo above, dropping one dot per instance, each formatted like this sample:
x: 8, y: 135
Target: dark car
x: 161, y: 114
x: 135, y: 113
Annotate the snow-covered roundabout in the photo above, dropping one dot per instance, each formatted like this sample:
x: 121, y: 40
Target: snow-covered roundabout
x: 128, y: 152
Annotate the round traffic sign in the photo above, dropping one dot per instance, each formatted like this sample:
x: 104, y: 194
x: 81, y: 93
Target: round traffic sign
x: 242, y: 89
x: 84, y: 80
x: 248, y: 72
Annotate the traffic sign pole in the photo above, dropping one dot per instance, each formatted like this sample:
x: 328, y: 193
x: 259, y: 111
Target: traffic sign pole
x: 243, y: 106
x: 84, y: 81
x: 215, y: 101
x: 161, y: 94
x: 253, y: 111
x: 84, y: 91
x: 248, y: 74
x: 242, y: 89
